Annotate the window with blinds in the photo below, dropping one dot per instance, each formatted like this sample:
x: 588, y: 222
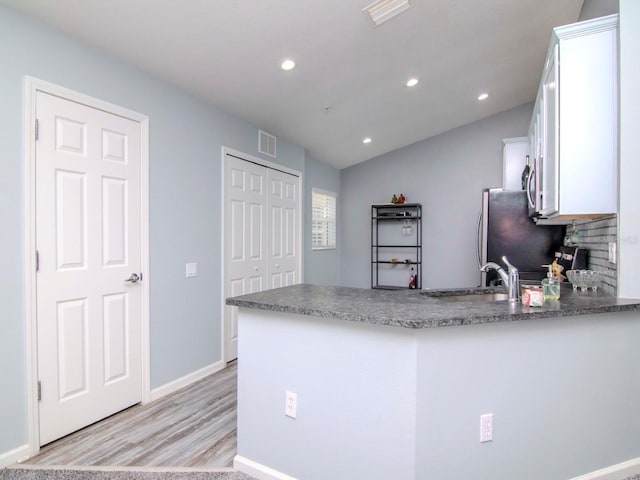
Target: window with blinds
x: 323, y: 228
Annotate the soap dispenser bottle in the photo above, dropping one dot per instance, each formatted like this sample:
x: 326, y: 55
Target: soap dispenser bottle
x: 550, y: 285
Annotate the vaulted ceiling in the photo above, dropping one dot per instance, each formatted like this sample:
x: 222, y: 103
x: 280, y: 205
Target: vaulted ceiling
x: 350, y: 76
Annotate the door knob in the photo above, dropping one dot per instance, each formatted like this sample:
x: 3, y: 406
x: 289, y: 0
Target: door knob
x: 133, y: 278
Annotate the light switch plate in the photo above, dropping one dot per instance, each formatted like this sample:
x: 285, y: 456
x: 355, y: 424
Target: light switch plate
x: 192, y: 270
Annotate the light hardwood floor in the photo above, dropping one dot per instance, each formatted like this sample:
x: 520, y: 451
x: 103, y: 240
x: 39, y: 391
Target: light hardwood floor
x: 194, y: 427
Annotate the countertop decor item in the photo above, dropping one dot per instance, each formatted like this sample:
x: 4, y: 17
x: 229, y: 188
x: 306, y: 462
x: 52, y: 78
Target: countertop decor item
x: 398, y: 199
x: 584, y: 280
x: 551, y: 284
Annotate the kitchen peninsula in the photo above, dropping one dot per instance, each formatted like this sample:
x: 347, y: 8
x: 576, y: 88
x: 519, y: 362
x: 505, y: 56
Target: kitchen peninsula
x: 391, y: 384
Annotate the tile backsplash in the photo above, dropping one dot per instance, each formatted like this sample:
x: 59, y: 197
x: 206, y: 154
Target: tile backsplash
x: 595, y: 236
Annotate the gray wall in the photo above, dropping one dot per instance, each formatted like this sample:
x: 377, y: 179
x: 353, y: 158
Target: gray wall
x: 564, y: 393
x: 597, y: 8
x: 186, y: 137
x: 372, y: 367
x: 445, y: 174
x: 320, y: 266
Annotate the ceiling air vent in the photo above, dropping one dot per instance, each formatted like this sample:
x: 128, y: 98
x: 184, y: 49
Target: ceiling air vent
x: 266, y: 144
x: 383, y: 10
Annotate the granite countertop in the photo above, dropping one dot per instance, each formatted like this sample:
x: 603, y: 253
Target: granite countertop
x: 423, y: 308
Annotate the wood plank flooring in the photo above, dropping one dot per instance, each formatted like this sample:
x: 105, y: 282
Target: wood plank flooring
x: 193, y: 427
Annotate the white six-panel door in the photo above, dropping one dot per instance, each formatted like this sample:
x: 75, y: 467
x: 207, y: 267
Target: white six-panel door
x: 283, y: 217
x: 88, y: 167
x: 261, y: 235
x: 245, y: 238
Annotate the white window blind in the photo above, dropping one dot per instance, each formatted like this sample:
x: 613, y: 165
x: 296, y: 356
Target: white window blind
x: 323, y: 213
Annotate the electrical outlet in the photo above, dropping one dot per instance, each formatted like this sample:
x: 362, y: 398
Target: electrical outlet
x: 291, y: 404
x: 486, y: 427
x: 612, y: 252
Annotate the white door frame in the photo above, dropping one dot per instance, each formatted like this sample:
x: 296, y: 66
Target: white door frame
x: 31, y: 87
x: 223, y: 246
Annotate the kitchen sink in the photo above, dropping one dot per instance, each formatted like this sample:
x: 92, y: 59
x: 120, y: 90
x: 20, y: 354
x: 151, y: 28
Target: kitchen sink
x: 475, y: 297
x: 479, y: 295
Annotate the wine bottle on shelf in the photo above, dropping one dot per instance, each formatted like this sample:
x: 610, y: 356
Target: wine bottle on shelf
x: 412, y: 279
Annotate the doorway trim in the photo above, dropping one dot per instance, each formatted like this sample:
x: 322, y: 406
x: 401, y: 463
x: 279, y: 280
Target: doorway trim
x: 223, y: 247
x: 31, y: 87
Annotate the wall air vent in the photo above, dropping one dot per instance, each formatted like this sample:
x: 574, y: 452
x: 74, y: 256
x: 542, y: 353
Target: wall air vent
x: 266, y: 144
x: 383, y: 10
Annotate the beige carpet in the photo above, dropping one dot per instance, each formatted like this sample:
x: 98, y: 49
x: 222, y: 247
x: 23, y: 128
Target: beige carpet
x: 117, y: 473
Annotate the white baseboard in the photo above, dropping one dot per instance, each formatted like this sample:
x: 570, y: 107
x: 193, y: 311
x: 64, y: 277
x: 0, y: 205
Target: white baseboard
x: 620, y: 471
x: 257, y: 470
x: 182, y: 382
x: 119, y: 469
x: 12, y: 456
x: 615, y: 472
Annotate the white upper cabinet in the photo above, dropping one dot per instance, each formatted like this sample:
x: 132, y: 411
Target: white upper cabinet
x: 549, y: 172
x: 575, y: 151
x: 515, y: 152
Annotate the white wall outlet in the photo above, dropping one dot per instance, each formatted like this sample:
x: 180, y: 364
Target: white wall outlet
x: 612, y: 252
x: 486, y: 427
x: 291, y: 404
x: 192, y: 270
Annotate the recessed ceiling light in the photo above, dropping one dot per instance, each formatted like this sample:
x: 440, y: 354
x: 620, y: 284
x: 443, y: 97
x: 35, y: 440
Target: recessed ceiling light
x: 366, y: 140
x: 483, y: 96
x: 412, y: 82
x: 288, y: 64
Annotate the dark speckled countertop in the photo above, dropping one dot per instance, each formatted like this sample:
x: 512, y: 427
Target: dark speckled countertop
x: 422, y: 308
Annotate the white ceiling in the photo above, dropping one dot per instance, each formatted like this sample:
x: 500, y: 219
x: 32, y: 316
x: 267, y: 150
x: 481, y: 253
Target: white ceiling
x: 228, y: 52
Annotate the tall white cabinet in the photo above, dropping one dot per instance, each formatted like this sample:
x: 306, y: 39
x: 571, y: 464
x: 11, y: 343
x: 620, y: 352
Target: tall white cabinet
x: 573, y: 131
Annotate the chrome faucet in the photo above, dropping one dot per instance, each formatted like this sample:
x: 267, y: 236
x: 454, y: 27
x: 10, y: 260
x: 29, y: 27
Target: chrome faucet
x: 510, y: 279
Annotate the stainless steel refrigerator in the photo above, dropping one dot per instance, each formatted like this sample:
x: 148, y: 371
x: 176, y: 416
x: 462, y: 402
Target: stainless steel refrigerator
x: 504, y: 228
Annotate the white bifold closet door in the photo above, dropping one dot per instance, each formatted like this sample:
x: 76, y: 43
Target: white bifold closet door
x: 261, y: 231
